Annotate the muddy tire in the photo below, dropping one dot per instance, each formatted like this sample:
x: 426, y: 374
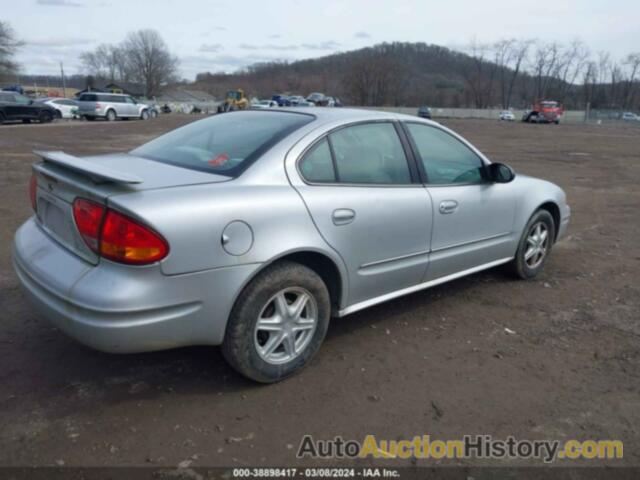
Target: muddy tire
x: 534, y: 246
x: 278, y: 323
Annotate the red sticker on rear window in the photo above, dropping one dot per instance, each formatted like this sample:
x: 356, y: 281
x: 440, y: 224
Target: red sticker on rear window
x: 219, y: 160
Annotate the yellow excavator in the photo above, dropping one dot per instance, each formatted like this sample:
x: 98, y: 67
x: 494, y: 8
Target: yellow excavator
x: 235, y: 100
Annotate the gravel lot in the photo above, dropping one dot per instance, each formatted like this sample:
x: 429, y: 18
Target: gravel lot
x: 440, y: 362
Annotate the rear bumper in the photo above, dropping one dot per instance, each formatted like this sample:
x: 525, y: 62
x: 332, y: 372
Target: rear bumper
x: 122, y: 309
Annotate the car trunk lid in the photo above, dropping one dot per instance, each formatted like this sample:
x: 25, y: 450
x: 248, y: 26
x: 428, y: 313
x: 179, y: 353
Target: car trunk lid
x: 61, y: 178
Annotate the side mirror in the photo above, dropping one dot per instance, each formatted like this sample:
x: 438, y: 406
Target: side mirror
x: 501, y: 173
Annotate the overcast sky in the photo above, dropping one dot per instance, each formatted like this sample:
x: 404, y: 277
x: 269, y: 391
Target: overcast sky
x: 211, y: 35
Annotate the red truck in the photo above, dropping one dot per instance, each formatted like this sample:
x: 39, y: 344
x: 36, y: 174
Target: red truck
x: 544, y: 111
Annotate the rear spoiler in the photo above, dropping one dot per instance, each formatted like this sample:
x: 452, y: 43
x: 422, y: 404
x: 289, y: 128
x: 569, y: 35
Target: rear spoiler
x: 94, y: 170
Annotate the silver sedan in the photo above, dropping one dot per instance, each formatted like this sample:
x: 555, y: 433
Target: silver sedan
x: 252, y: 229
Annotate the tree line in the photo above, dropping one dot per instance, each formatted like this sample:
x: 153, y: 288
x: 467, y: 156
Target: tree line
x: 503, y: 74
x: 509, y: 73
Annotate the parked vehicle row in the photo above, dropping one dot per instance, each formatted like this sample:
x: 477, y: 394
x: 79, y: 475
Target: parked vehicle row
x: 15, y: 106
x: 316, y: 99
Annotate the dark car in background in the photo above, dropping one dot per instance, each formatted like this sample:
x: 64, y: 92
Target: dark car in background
x: 14, y: 106
x: 424, y: 112
x: 317, y: 98
x: 282, y: 100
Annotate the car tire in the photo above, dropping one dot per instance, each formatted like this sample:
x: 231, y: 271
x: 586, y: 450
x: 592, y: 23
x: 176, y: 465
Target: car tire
x: 26, y: 120
x: 2, y: 118
x: 45, y: 117
x: 144, y: 115
x: 111, y: 115
x: 246, y: 346
x: 527, y: 264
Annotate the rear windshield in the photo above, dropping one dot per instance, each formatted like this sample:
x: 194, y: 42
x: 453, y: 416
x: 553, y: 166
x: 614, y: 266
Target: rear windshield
x: 223, y: 144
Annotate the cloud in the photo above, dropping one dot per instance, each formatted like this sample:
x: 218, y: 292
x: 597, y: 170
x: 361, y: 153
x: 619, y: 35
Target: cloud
x: 362, y: 35
x: 59, y: 42
x: 59, y: 3
x: 328, y: 45
x: 192, y: 64
x: 274, y: 36
x: 271, y: 46
x: 210, y: 47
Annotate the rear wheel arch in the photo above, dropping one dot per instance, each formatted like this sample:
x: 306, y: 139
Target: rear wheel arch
x: 326, y: 268
x: 321, y: 263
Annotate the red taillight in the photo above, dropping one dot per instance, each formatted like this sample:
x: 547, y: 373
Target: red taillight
x: 98, y: 106
x: 125, y: 240
x: 116, y: 236
x: 33, y: 191
x: 88, y: 216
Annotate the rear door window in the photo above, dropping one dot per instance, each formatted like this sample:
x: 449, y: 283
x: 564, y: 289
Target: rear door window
x: 317, y: 164
x: 370, y: 154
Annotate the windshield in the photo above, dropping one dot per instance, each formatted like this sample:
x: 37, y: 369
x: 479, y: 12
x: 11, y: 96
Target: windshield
x: 223, y: 144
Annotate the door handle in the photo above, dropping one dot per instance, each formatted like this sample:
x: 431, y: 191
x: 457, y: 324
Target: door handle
x: 343, y: 216
x: 448, y: 206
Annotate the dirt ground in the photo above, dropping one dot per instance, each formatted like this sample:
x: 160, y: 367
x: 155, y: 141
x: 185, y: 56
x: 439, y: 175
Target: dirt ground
x: 440, y: 362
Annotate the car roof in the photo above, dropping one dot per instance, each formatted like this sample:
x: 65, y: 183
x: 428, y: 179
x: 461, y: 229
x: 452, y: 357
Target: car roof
x: 329, y: 114
x: 106, y: 93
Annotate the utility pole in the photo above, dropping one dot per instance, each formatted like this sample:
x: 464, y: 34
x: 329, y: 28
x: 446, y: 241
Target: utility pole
x: 64, y: 86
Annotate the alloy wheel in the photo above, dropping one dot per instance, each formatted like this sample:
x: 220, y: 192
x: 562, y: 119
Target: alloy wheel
x: 537, y: 245
x: 286, y: 325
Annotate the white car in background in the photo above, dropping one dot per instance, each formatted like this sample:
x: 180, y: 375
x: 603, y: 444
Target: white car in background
x: 264, y: 104
x: 65, y: 107
x: 507, y: 115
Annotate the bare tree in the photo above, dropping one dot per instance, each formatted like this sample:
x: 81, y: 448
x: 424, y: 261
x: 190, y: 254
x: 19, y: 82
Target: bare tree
x: 545, y: 61
x: 519, y: 54
x: 149, y: 60
x: 475, y: 73
x: 8, y: 46
x: 509, y: 57
x: 632, y: 62
x: 142, y: 57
